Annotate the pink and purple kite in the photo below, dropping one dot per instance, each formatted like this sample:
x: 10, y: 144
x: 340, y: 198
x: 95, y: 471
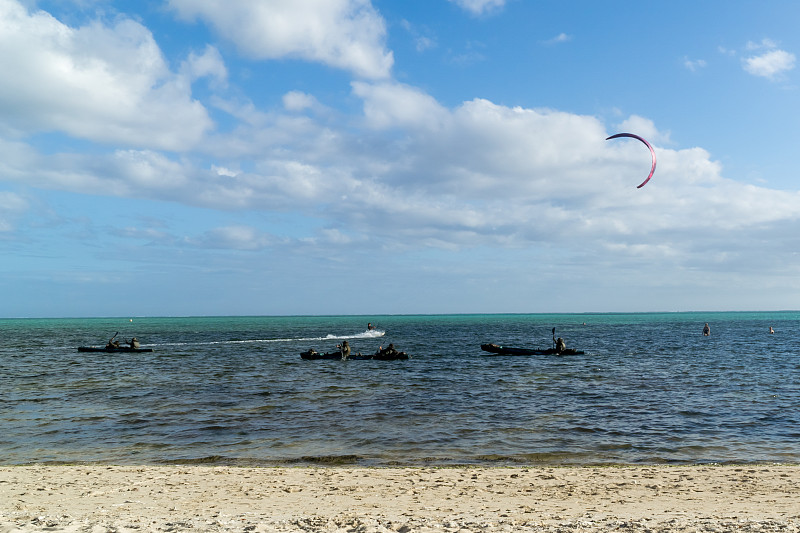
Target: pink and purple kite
x: 652, y: 152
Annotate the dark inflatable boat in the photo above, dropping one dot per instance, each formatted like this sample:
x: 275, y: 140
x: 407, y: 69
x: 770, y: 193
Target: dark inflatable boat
x: 496, y: 349
x: 115, y: 349
x: 378, y: 356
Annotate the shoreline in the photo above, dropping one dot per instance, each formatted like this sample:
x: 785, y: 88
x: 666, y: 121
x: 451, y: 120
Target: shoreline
x: 740, y: 497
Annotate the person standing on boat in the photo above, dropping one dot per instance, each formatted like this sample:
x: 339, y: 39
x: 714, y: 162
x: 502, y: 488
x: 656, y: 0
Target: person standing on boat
x: 706, y: 330
x: 370, y: 327
x: 344, y: 349
x: 560, y: 345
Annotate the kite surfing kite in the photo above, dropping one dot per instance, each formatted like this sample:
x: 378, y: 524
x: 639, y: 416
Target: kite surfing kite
x: 652, y: 152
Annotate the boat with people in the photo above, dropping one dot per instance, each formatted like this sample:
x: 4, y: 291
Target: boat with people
x: 383, y: 354
x: 559, y: 348
x: 496, y: 349
x: 113, y: 349
x: 112, y: 346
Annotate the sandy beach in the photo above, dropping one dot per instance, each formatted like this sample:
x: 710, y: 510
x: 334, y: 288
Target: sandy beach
x: 341, y: 499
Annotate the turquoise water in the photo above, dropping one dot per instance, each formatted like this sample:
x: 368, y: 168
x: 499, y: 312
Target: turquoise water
x: 234, y: 390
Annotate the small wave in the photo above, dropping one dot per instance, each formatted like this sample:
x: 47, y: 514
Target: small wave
x: 327, y: 459
x: 210, y: 459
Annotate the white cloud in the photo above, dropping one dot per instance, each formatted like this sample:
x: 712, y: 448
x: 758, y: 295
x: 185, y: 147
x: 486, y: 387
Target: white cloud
x: 223, y: 171
x: 424, y: 43
x: 207, y: 64
x: 479, y: 7
x: 765, y: 44
x: 389, y: 105
x: 558, y: 39
x: 105, y: 84
x: 644, y: 127
x: 12, y: 202
x: 771, y: 62
x: 12, y: 205
x: 694, y: 64
x: 471, y: 54
x: 346, y: 34
x: 148, y: 171
x: 299, y: 101
x: 421, y: 42
x: 235, y: 237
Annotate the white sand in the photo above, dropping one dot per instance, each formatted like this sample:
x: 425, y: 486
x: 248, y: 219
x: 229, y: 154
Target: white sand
x: 339, y: 499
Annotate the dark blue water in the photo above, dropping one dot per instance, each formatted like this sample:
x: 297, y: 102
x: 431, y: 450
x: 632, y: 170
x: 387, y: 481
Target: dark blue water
x: 650, y: 389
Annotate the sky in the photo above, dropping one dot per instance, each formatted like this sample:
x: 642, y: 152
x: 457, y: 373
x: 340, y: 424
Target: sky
x: 316, y: 157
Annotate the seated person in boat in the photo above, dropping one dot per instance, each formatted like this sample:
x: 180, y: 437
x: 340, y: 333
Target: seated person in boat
x: 370, y: 327
x: 134, y: 343
x: 112, y: 343
x: 389, y: 350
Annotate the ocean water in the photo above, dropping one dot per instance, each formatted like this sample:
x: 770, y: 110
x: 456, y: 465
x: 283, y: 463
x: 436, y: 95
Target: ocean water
x: 234, y: 390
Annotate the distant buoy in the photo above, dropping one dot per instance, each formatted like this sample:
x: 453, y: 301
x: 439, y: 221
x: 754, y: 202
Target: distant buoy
x: 131, y: 319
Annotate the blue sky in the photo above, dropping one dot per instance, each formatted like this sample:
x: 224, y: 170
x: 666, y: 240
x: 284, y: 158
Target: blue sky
x: 210, y: 157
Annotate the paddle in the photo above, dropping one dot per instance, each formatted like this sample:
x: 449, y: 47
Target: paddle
x: 554, y: 338
x: 111, y: 341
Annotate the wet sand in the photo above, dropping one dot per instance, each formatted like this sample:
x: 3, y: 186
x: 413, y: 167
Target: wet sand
x: 101, y: 498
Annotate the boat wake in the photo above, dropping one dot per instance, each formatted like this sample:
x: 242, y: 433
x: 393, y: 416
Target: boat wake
x: 369, y: 334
